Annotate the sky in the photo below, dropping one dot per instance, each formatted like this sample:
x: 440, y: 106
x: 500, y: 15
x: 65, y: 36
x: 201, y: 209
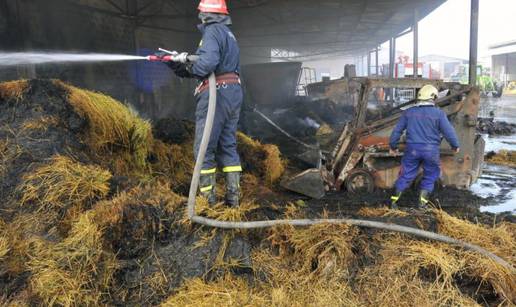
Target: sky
x: 446, y: 30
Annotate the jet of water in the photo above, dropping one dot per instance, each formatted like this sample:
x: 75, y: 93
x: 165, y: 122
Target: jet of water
x: 20, y: 58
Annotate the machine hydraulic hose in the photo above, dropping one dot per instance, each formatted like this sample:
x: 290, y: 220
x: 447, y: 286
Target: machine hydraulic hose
x: 303, y: 222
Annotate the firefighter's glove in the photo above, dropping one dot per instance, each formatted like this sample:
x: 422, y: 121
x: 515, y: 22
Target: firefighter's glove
x: 181, y: 58
x: 184, y: 70
x: 181, y: 70
x: 175, y: 66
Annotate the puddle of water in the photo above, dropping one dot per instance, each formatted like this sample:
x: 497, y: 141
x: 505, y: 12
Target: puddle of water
x: 500, y: 142
x: 498, y: 183
x: 507, y: 206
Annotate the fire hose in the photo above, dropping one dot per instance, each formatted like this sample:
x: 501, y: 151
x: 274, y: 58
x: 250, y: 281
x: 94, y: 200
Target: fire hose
x: 212, y: 104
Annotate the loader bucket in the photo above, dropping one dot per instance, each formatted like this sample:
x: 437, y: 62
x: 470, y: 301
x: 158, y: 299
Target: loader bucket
x: 309, y: 183
x: 311, y: 157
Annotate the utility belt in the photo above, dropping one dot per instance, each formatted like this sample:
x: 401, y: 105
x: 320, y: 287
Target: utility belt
x: 222, y: 81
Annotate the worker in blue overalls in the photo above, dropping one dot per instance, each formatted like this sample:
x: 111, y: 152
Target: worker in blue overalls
x: 219, y: 53
x: 424, y: 124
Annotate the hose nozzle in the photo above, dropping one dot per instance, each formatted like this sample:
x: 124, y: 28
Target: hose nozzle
x: 154, y: 58
x: 173, y: 56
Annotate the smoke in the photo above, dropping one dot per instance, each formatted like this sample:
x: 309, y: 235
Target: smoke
x: 21, y: 58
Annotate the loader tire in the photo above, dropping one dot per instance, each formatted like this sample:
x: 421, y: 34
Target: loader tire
x: 360, y: 180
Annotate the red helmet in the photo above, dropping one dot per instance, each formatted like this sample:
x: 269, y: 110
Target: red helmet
x: 213, y: 6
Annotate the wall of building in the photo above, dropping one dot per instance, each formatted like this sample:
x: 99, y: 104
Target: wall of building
x: 334, y: 67
x: 61, y: 25
x: 504, y: 67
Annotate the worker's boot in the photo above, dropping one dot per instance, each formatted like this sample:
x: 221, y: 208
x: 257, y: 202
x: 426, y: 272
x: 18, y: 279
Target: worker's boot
x: 424, y: 200
x: 394, y: 200
x: 207, y: 187
x: 233, y: 189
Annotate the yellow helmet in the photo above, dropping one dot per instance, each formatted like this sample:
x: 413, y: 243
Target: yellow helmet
x: 428, y: 92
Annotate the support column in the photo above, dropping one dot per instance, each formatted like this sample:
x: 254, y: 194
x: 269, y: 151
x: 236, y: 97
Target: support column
x: 363, y: 70
x: 369, y: 63
x: 392, y: 56
x: 392, y: 63
x: 377, y: 70
x: 415, y: 31
x: 473, y: 43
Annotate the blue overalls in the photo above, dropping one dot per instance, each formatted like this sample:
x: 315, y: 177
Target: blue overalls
x: 423, y: 125
x: 219, y: 53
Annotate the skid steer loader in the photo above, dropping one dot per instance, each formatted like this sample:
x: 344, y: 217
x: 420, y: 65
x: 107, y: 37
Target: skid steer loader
x: 360, y: 160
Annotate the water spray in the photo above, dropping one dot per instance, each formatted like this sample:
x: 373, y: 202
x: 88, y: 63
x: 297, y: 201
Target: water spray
x: 34, y: 58
x: 24, y: 58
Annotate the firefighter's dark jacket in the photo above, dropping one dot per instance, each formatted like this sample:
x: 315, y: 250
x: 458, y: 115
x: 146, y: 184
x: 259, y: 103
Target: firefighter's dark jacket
x: 218, y: 51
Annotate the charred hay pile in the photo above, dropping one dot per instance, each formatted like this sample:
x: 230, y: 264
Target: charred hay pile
x: 93, y: 213
x: 495, y: 128
x: 504, y: 157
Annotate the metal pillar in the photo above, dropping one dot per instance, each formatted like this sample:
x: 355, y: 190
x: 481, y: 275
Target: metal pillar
x: 392, y: 56
x: 364, y: 65
x: 360, y: 65
x: 368, y: 63
x: 473, y: 43
x: 392, y: 63
x: 377, y: 70
x: 415, y: 31
x: 506, y: 71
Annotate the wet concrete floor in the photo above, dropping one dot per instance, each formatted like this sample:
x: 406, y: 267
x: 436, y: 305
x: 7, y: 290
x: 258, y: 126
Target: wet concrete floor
x: 498, y: 183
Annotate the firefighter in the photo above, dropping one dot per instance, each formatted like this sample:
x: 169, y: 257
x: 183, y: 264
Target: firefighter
x: 424, y: 124
x: 218, y: 52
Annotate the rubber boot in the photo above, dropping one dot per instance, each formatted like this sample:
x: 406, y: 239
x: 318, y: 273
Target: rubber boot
x: 233, y: 189
x: 394, y: 200
x: 207, y: 187
x: 424, y: 200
